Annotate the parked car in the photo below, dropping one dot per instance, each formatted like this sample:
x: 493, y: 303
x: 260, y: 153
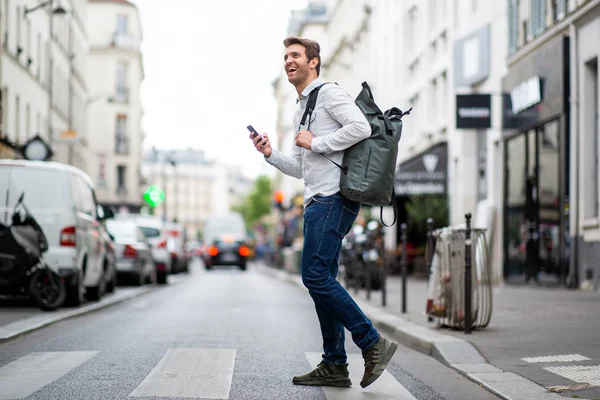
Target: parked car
x: 133, y: 254
x: 110, y: 270
x: 177, y: 247
x: 226, y: 239
x: 153, y: 230
x: 62, y: 200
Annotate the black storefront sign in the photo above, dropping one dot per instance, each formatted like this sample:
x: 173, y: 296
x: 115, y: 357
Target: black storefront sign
x: 426, y: 173
x: 473, y: 111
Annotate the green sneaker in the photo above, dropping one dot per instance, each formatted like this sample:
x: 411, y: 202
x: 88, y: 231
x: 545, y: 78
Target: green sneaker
x: 325, y: 375
x: 377, y: 358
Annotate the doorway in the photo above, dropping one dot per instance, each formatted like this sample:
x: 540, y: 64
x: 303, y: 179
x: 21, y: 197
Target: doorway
x: 534, y: 223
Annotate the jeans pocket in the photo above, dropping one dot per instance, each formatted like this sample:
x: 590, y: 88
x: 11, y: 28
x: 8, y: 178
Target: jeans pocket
x: 324, y: 199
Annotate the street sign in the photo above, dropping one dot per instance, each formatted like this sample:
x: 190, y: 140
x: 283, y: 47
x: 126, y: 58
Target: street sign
x: 67, y: 136
x: 154, y: 196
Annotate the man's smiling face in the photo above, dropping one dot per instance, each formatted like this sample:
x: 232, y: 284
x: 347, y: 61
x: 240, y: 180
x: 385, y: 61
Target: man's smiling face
x: 296, y: 65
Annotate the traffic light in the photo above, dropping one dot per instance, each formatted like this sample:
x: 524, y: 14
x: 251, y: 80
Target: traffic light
x: 278, y: 196
x: 154, y: 196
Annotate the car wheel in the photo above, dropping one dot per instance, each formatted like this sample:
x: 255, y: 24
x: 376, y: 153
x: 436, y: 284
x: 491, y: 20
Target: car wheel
x: 112, y: 283
x: 161, y: 277
x: 75, y: 292
x: 243, y: 267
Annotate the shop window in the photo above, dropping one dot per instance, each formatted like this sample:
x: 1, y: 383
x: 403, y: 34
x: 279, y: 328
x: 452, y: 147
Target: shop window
x: 590, y: 132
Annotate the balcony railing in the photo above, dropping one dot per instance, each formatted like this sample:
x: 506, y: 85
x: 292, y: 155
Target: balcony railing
x: 125, y: 41
x: 121, y: 144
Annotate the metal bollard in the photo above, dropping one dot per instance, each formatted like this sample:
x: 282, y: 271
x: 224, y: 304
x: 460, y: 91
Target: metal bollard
x: 429, y: 253
x: 404, y: 266
x: 468, y: 290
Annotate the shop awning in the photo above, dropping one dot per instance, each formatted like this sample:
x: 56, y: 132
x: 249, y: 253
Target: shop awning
x: 425, y: 173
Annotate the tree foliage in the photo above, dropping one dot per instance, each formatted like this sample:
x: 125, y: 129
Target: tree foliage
x: 258, y: 203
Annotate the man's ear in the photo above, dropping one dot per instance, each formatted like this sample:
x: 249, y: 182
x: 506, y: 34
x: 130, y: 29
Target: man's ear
x: 314, y: 62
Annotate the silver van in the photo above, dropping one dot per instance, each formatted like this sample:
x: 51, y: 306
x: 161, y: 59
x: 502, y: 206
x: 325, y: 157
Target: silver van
x: 62, y: 200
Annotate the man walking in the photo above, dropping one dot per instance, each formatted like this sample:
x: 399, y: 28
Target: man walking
x: 335, y: 124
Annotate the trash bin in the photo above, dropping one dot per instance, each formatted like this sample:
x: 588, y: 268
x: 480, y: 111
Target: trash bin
x: 446, y: 289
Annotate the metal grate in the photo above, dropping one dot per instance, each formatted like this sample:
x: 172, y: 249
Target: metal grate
x: 559, y: 358
x: 579, y: 373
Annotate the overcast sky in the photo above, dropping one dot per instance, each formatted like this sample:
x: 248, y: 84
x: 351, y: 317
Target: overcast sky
x: 209, y: 66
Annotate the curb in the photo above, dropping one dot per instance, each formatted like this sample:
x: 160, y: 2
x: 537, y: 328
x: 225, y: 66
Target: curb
x: 453, y: 352
x: 19, y: 328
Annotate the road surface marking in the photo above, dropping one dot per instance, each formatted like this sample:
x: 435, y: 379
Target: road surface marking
x: 199, y: 373
x: 559, y: 358
x: 28, y: 374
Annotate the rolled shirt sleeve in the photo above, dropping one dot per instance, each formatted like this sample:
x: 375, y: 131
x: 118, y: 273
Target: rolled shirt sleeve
x: 355, y: 126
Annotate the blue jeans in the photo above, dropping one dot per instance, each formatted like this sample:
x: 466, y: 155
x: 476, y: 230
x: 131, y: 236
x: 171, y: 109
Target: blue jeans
x: 327, y: 219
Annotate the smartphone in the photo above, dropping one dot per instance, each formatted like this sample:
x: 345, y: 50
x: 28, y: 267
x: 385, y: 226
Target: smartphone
x: 251, y: 129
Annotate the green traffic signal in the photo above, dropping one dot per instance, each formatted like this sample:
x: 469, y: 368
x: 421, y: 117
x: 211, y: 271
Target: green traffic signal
x: 154, y: 196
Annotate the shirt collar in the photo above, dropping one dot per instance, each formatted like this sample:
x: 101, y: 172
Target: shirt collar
x: 317, y: 82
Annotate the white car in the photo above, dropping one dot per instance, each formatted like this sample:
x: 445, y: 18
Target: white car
x: 62, y: 200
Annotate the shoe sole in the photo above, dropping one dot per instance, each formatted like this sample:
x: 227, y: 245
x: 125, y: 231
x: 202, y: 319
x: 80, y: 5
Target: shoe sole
x: 387, y: 356
x: 321, y: 382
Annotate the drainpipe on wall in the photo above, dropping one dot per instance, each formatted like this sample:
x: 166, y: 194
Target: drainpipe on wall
x: 574, y: 201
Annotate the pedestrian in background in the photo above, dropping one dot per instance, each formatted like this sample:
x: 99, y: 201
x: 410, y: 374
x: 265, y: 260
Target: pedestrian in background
x: 335, y: 124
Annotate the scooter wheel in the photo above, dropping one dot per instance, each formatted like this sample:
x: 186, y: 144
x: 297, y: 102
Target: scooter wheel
x: 47, y: 289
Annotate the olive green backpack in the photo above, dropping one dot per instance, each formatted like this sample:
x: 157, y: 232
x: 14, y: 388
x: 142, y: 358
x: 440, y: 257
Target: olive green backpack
x: 369, y: 166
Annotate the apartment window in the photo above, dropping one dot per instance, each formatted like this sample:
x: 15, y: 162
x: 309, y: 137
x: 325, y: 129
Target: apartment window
x: 538, y: 17
x: 121, y: 179
x: 121, y: 82
x: 432, y: 15
x: 28, y: 44
x: 513, y: 26
x: 559, y: 9
x: 121, y: 139
x: 590, y: 142
x: 39, y: 55
x: 19, y: 48
x: 434, y: 101
x: 6, y: 22
x: 4, y: 113
x: 27, y: 121
x: 38, y: 121
x: 17, y: 119
x: 122, y: 24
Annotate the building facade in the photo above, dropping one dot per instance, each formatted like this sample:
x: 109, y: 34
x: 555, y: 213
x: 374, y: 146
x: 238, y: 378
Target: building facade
x: 551, y: 142
x: 114, y: 107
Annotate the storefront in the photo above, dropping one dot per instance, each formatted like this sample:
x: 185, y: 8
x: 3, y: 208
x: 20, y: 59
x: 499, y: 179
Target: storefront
x: 421, y: 187
x: 536, y: 165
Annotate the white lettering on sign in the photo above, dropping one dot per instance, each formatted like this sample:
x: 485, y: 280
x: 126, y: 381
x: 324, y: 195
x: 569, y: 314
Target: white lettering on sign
x: 526, y: 94
x: 474, y: 112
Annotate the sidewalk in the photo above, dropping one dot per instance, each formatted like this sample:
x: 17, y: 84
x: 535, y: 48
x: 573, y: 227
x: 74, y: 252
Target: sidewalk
x: 526, y: 322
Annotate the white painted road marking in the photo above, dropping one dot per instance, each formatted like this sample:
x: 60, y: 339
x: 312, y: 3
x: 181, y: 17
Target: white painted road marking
x: 579, y: 373
x: 199, y: 373
x: 386, y: 387
x: 558, y: 358
x: 28, y: 374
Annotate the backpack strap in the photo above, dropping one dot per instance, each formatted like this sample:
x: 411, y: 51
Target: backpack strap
x: 310, y: 107
x: 395, y: 208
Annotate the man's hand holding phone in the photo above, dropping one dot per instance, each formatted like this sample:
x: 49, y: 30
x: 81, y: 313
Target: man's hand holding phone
x: 261, y: 142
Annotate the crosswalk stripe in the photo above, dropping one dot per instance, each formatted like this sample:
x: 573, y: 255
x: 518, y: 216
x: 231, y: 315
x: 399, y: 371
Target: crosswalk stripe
x: 199, y: 373
x: 28, y: 374
x: 386, y: 387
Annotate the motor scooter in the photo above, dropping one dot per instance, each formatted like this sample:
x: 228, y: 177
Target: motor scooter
x: 23, y: 270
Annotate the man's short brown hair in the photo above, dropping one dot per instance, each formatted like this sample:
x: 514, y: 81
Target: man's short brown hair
x: 312, y: 48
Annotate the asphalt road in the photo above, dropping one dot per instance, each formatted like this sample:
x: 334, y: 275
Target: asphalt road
x: 223, y: 334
